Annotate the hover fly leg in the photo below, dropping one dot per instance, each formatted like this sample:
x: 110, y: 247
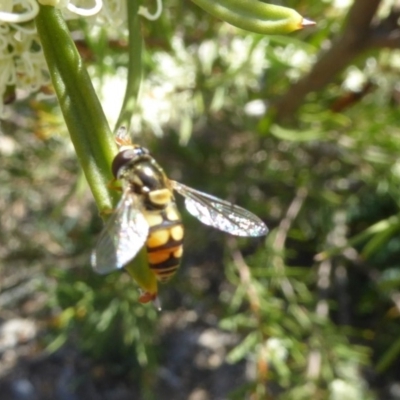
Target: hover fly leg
x: 114, y: 185
x: 106, y: 211
x: 146, y: 297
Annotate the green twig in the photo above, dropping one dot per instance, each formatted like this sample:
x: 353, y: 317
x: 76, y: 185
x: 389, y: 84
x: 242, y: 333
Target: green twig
x: 86, y: 122
x: 134, y: 65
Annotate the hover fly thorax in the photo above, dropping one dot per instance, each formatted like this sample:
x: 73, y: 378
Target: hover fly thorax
x: 142, y: 175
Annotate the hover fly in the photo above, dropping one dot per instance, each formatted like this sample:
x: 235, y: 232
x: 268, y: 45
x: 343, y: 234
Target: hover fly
x: 147, y: 216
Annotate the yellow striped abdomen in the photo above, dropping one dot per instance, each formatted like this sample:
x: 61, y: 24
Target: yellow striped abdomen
x: 164, y: 243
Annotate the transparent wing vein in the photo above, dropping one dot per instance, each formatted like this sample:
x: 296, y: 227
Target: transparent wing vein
x: 122, y: 237
x: 220, y: 214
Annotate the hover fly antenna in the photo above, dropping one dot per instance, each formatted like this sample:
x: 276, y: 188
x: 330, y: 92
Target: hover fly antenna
x: 122, y: 137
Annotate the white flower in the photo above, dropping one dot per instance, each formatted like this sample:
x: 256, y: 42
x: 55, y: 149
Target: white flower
x: 29, y: 11
x: 22, y: 63
x: 277, y: 349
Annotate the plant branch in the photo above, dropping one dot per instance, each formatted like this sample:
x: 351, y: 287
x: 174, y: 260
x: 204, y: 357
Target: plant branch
x: 354, y: 40
x: 94, y: 144
x: 134, y: 67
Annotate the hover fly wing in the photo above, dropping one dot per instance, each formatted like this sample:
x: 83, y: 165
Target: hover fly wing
x: 219, y: 213
x: 122, y: 237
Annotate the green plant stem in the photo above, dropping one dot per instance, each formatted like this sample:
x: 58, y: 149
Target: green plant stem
x: 93, y: 141
x: 134, y: 65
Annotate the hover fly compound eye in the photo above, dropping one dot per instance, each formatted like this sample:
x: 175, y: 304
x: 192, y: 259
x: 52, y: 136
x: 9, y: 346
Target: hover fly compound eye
x: 126, y: 156
x: 121, y: 159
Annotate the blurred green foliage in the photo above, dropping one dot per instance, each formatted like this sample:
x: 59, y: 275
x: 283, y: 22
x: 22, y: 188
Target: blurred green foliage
x: 314, y: 306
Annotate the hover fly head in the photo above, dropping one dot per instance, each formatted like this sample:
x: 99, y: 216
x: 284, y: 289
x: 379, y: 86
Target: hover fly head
x: 128, y: 155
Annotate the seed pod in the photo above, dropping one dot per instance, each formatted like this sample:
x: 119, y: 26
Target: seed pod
x: 255, y: 16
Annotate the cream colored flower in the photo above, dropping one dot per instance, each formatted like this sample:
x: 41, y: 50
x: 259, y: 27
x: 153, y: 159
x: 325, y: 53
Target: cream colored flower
x: 22, y: 63
x: 27, y: 10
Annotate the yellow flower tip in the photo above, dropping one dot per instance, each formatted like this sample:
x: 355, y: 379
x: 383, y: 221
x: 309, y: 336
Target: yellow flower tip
x: 306, y: 22
x: 301, y: 23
